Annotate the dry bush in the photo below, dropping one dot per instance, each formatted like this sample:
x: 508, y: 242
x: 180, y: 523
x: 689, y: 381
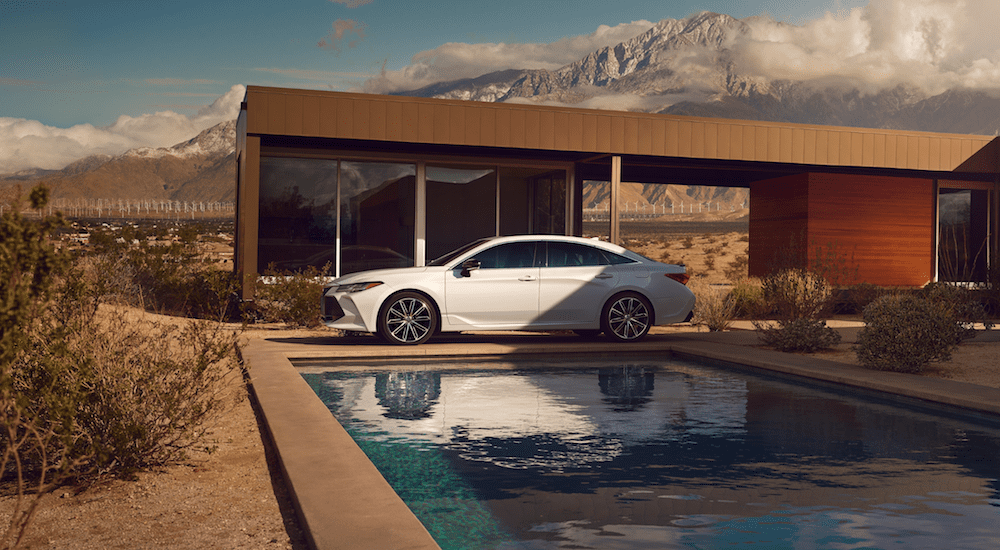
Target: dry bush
x: 291, y: 297
x: 714, y: 308
x: 798, y: 299
x: 738, y: 268
x: 747, y: 295
x: 797, y: 294
x: 904, y: 333
x: 86, y: 390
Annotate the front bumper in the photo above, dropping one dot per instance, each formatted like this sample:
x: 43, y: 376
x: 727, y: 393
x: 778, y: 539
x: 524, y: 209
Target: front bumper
x: 356, y: 311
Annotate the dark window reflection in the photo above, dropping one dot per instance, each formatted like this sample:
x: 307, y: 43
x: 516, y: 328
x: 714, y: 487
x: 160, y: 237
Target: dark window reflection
x: 963, y: 235
x: 407, y: 395
x: 298, y: 217
x: 626, y: 388
x: 377, y: 212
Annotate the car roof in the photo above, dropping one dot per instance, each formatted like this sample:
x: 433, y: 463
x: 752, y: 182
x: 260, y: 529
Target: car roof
x: 565, y: 238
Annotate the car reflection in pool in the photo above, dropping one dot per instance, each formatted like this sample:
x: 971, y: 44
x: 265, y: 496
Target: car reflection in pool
x: 524, y: 282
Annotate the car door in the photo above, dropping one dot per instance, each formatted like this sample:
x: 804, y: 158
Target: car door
x: 575, y: 281
x: 501, y: 293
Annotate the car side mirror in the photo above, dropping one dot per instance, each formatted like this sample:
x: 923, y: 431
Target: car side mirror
x: 468, y: 266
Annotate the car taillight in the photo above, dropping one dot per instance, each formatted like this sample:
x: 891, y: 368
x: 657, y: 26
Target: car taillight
x: 681, y: 278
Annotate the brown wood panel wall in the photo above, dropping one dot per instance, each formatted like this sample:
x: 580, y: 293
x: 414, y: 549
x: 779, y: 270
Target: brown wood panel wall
x: 878, y: 230
x: 283, y: 111
x: 779, y: 210
x: 881, y: 227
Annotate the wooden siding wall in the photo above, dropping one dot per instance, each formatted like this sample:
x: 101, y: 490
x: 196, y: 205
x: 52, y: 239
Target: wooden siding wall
x: 281, y: 111
x: 884, y: 227
x: 779, y: 211
x: 880, y: 229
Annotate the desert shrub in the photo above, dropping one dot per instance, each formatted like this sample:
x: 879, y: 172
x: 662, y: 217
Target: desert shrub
x: 714, y: 309
x: 687, y: 242
x: 710, y: 263
x: 83, y: 391
x: 169, y: 279
x: 796, y: 294
x: 905, y: 332
x: 855, y: 298
x: 34, y: 457
x: 738, y: 268
x: 291, y: 297
x: 798, y: 299
x: 747, y: 295
x: 801, y: 334
x: 964, y: 305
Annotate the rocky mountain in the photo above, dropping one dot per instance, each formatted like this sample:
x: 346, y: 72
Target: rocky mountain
x: 686, y: 67
x: 200, y: 169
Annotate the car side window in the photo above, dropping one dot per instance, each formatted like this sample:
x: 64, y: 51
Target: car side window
x: 507, y: 256
x: 562, y: 254
x: 616, y: 259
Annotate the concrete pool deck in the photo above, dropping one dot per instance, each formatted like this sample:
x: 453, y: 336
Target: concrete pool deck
x: 343, y: 502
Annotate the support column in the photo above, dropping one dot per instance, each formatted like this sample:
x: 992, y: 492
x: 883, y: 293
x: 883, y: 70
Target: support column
x: 420, y: 216
x: 616, y: 180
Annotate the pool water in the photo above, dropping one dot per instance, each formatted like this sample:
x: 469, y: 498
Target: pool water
x: 664, y: 454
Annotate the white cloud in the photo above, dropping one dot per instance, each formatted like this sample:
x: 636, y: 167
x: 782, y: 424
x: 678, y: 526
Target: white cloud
x: 453, y: 61
x: 30, y: 144
x: 933, y: 45
x: 930, y: 44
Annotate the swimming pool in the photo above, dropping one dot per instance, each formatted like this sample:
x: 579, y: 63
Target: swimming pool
x: 663, y: 454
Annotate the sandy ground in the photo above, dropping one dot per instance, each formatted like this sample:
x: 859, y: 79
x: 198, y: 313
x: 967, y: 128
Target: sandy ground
x: 232, y: 497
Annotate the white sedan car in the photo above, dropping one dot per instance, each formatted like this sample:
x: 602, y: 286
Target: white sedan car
x: 524, y: 282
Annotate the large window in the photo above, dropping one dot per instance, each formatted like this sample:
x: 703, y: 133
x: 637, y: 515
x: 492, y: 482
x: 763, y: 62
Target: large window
x: 963, y: 235
x: 309, y: 206
x: 461, y: 206
x: 298, y: 213
x: 377, y: 212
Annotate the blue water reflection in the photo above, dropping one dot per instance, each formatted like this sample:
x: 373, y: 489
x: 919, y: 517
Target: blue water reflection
x: 665, y: 454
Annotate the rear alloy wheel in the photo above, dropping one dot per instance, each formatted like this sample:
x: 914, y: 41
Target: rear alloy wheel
x: 407, y: 318
x: 627, y: 317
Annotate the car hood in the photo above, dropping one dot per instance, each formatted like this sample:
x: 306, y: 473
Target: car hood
x: 380, y: 275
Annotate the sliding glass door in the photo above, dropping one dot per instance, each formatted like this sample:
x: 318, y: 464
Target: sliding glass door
x: 963, y: 235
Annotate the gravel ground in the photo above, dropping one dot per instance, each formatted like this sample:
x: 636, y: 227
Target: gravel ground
x: 233, y: 497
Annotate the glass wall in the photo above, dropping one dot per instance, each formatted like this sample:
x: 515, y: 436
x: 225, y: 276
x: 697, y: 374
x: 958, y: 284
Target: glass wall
x: 376, y: 204
x: 461, y: 207
x: 298, y: 213
x: 548, y: 204
x: 597, y: 209
x: 377, y: 213
x: 963, y: 235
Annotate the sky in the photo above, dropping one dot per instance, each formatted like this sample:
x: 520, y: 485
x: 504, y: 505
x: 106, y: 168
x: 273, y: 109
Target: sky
x: 79, y: 77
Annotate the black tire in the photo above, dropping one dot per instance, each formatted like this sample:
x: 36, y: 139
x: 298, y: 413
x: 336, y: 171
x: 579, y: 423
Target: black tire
x: 407, y: 318
x: 627, y: 317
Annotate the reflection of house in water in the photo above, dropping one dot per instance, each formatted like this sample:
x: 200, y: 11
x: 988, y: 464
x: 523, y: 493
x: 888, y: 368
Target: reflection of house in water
x: 698, y: 444
x: 626, y: 388
x: 407, y: 395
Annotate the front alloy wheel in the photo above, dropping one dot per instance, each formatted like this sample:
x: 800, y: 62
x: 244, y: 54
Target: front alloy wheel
x: 627, y: 317
x: 407, y: 318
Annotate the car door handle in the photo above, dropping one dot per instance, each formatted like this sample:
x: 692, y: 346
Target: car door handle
x: 603, y: 276
x: 526, y: 278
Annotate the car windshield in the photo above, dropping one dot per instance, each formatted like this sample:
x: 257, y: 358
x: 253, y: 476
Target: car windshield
x: 442, y: 260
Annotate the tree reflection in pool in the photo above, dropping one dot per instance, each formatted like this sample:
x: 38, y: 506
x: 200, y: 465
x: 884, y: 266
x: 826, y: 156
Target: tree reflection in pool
x: 664, y: 454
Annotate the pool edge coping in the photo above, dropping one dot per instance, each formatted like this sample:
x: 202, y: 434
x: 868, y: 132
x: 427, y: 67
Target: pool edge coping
x: 337, y: 510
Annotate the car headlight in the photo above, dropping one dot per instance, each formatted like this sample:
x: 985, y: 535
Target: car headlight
x: 358, y: 287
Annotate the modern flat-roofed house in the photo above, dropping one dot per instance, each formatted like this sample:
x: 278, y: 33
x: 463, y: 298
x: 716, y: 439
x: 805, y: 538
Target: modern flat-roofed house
x: 369, y: 181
